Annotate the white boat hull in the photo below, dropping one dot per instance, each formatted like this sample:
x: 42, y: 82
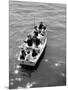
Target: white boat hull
x: 33, y: 62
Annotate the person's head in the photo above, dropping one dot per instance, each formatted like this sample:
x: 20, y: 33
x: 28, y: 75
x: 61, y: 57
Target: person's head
x: 35, y: 33
x: 22, y: 50
x: 44, y: 27
x: 29, y: 36
x: 35, y: 27
x: 41, y: 23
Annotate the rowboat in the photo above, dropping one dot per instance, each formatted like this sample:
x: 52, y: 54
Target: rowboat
x: 33, y: 53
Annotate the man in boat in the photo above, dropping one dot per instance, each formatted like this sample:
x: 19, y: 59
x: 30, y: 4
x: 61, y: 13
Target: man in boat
x: 35, y: 33
x: 29, y: 40
x: 35, y: 27
x: 35, y: 38
x: 44, y: 27
x: 34, y: 53
x: 23, y: 54
x: 41, y: 25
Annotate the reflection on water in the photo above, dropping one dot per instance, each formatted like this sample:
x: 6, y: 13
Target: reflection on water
x: 21, y: 78
x: 51, y: 70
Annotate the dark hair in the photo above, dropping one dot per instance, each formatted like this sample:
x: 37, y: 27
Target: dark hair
x: 36, y: 33
x: 44, y: 27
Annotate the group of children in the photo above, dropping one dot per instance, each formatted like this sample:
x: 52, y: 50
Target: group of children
x: 34, y: 39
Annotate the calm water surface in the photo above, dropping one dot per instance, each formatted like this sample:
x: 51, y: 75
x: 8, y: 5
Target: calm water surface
x: 52, y: 68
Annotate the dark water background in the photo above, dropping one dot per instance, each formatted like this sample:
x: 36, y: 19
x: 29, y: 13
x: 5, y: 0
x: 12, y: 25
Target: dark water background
x: 52, y: 68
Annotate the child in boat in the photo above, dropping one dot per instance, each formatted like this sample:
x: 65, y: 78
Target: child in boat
x: 23, y: 54
x: 41, y: 27
x: 29, y: 40
x: 34, y: 53
x: 43, y: 31
x: 35, y: 38
x: 35, y: 27
x: 44, y: 27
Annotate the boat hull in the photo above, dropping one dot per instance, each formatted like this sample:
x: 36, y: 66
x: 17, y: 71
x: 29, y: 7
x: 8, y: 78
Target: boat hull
x: 34, y: 64
x: 31, y: 59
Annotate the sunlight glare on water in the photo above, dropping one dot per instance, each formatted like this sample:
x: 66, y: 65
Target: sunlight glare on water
x: 16, y: 72
x: 29, y: 85
x: 53, y: 63
x: 18, y: 79
x: 46, y: 60
x: 18, y: 66
x: 11, y: 83
x: 57, y: 64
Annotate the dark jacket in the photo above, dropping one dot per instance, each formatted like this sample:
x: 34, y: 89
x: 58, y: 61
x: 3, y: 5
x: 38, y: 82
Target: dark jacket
x: 41, y: 26
x: 29, y: 42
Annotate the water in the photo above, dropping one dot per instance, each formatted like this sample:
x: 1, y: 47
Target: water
x: 52, y: 68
